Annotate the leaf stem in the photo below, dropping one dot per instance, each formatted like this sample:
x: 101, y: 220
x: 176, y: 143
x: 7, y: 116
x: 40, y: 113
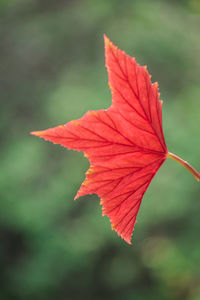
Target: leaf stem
x: 185, y: 164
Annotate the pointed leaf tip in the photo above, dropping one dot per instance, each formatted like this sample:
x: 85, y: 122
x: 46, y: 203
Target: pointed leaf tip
x: 106, y: 39
x: 108, y: 43
x: 36, y: 133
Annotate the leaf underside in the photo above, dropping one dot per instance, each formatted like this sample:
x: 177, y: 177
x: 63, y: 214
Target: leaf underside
x: 124, y: 143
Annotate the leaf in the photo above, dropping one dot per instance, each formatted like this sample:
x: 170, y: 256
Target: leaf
x: 124, y: 143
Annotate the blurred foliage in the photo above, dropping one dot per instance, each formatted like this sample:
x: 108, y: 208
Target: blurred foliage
x: 52, y: 71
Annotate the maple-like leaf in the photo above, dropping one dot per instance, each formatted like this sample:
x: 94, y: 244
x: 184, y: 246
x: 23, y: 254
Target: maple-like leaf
x: 124, y: 143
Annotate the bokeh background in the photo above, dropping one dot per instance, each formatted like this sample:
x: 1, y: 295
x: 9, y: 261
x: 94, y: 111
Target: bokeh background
x: 52, y: 71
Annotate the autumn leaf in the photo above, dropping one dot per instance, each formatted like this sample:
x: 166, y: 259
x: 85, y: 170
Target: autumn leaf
x: 124, y: 144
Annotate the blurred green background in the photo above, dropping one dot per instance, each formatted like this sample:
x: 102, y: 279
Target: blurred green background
x: 52, y: 71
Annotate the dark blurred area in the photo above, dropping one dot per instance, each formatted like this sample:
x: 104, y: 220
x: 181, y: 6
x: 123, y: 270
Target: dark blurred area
x: 52, y: 71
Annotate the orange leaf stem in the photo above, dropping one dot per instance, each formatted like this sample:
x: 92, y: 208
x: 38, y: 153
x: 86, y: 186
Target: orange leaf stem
x: 185, y: 164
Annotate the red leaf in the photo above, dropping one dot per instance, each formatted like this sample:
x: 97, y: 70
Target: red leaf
x: 124, y: 144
